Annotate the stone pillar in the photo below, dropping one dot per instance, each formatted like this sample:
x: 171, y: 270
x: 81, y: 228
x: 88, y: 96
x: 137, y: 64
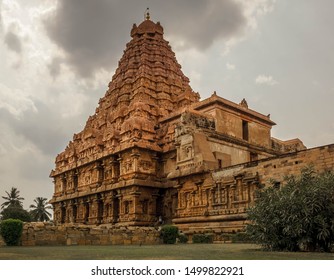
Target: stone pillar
x: 93, y: 210
x: 212, y: 194
x: 80, y: 210
x: 200, y: 191
x: 155, y: 167
x: 135, y: 207
x: 178, y: 153
x: 75, y: 180
x: 193, y: 194
x: 219, y: 191
x: 244, y: 191
x: 69, y: 214
x: 73, y: 205
x: 100, y: 172
x: 231, y: 196
x: 57, y: 213
x: 174, y: 204
x: 87, y: 210
x: 116, y: 206
x: 179, y: 196
x: 135, y: 156
x: 115, y: 169
x: 121, y: 171
x: 97, y: 172
x: 107, y: 169
x: 207, y: 197
x: 107, y: 209
x: 186, y: 199
x: 225, y: 196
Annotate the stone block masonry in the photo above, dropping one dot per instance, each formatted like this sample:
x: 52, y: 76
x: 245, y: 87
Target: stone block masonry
x: 48, y: 234
x: 231, y: 192
x: 154, y: 151
x: 277, y: 168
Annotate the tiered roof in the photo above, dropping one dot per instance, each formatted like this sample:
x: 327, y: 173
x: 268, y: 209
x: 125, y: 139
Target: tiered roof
x: 147, y: 86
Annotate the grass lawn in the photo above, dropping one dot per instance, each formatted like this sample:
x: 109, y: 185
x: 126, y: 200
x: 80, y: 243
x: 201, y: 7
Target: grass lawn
x: 156, y: 252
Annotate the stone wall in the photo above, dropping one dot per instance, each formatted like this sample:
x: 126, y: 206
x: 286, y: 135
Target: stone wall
x: 321, y: 158
x: 221, y: 206
x: 47, y: 234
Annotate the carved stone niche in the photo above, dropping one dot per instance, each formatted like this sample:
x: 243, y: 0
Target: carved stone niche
x: 128, y: 165
x: 185, y: 151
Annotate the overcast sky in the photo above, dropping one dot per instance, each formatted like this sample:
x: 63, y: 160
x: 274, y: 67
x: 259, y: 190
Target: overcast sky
x: 57, y: 58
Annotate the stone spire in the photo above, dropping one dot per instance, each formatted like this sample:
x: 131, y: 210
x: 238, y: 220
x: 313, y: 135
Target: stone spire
x: 147, y: 86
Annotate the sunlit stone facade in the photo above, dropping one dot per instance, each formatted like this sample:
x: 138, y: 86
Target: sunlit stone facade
x: 154, y: 153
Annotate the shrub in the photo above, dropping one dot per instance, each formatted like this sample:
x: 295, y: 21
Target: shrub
x: 183, y: 238
x: 240, y: 237
x: 297, y: 216
x: 11, y: 231
x: 169, y: 234
x: 203, y: 238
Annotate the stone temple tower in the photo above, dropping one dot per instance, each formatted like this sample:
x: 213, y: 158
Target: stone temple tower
x: 153, y: 152
x: 113, y: 171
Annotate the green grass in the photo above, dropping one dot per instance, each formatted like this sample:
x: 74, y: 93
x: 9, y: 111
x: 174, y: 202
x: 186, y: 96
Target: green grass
x: 156, y: 252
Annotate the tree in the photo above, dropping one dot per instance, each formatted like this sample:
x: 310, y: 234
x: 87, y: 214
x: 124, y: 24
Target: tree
x: 39, y: 212
x: 297, y: 216
x: 15, y: 212
x: 13, y: 199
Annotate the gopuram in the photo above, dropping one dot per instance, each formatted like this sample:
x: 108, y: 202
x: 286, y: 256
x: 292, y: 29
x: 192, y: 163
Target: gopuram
x: 154, y: 153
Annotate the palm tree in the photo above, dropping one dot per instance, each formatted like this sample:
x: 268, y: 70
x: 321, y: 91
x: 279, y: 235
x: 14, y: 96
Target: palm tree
x: 39, y: 212
x: 13, y: 199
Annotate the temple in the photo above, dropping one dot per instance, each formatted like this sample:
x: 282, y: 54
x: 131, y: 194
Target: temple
x: 153, y: 152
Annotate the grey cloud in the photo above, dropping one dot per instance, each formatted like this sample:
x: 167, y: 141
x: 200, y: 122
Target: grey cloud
x: 200, y: 23
x: 13, y: 42
x: 89, y: 33
x: 0, y: 16
x: 54, y: 67
x: 94, y: 33
x: 42, y: 128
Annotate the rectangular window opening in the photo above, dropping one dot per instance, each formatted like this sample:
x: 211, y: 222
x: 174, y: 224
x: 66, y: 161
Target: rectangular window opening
x: 245, y: 130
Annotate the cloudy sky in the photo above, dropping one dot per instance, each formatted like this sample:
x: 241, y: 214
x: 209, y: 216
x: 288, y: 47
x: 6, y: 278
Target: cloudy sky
x: 57, y: 58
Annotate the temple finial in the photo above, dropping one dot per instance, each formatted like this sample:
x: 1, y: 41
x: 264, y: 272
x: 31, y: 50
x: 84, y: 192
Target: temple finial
x: 147, y: 14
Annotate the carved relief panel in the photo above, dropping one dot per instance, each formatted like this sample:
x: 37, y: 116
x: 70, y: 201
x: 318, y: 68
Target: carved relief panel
x: 185, y: 151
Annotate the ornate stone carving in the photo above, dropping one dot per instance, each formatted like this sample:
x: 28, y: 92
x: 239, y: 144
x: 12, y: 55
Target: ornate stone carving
x: 150, y: 150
